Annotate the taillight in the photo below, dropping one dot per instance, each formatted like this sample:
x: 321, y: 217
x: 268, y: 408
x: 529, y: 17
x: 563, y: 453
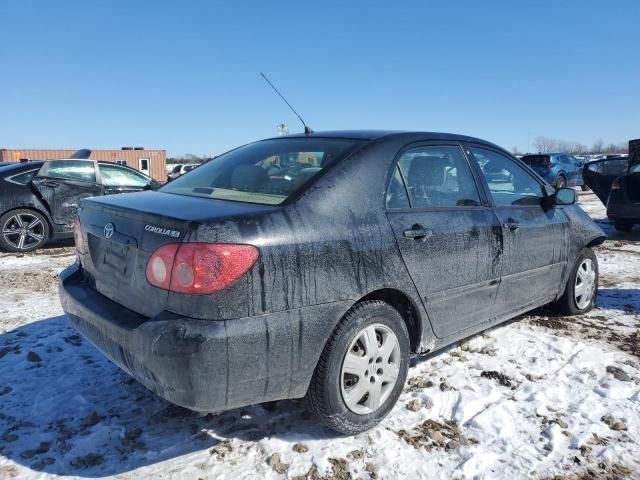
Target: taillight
x: 160, y: 265
x: 616, y: 185
x: 78, y: 237
x: 199, y: 268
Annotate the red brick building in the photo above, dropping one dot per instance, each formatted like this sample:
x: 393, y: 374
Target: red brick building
x: 151, y: 162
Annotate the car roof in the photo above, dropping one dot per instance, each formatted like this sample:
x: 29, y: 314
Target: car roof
x: 379, y: 134
x: 18, y: 166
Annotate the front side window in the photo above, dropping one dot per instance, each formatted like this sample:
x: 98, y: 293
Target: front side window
x: 509, y: 183
x: 266, y: 172
x: 80, y: 170
x: 438, y: 176
x: 115, y: 176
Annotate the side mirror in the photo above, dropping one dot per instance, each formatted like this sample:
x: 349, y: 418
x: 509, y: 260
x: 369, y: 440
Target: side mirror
x: 565, y: 196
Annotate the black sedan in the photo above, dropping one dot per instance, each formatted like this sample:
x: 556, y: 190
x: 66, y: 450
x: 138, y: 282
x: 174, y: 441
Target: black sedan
x: 316, y: 265
x: 616, y: 182
x: 38, y: 200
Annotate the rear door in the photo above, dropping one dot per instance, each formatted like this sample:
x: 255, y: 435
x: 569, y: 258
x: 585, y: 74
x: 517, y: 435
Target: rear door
x: 449, y: 238
x: 536, y: 239
x: 62, y: 183
x: 117, y: 179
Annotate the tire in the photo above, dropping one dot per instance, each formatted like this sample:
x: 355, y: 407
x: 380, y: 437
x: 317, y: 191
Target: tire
x: 570, y: 303
x: 327, y: 396
x: 623, y: 225
x: 561, y: 181
x: 23, y: 230
x: 584, y: 188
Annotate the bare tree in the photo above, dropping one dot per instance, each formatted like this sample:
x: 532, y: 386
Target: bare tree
x: 598, y: 146
x: 623, y: 147
x: 545, y: 144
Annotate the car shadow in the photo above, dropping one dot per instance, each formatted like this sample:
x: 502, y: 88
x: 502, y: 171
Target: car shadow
x: 67, y: 410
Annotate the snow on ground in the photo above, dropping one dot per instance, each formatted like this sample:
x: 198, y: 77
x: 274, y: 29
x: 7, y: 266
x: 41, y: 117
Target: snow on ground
x: 540, y: 397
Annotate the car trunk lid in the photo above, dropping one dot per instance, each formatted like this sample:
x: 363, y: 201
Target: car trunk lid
x: 123, y: 231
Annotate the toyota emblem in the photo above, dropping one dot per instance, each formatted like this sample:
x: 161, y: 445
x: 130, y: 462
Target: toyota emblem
x: 108, y: 230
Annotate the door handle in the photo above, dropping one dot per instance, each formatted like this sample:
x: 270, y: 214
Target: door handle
x: 417, y: 233
x: 512, y: 225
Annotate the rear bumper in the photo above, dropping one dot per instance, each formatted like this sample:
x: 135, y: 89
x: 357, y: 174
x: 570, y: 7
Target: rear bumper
x: 203, y: 365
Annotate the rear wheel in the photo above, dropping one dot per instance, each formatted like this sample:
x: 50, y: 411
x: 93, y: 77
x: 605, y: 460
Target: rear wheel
x: 580, y: 293
x: 623, y: 225
x: 362, y: 370
x: 23, y: 230
x: 561, y: 181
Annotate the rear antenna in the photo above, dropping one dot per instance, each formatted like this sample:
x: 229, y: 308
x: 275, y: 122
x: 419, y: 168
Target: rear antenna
x: 307, y: 129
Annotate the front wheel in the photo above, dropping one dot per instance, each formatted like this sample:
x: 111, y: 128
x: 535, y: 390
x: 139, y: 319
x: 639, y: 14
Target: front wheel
x: 580, y: 293
x: 584, y: 188
x: 362, y: 370
x: 23, y: 230
x: 561, y: 182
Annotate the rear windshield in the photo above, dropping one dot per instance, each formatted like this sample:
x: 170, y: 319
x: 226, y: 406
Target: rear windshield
x: 535, y: 159
x: 266, y: 172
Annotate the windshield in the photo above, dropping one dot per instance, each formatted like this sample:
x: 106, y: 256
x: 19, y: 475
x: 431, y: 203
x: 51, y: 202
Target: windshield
x: 266, y: 172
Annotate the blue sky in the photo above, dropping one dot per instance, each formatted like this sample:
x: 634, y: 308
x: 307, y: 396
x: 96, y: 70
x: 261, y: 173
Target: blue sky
x: 184, y: 75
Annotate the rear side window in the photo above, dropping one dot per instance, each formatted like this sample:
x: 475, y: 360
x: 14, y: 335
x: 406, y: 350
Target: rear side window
x: 266, y: 172
x: 595, y: 167
x: 80, y: 170
x: 23, y: 178
x: 615, y: 167
x: 438, y: 176
x: 397, y: 193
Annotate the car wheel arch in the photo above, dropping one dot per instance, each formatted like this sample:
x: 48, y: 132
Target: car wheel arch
x: 407, y: 309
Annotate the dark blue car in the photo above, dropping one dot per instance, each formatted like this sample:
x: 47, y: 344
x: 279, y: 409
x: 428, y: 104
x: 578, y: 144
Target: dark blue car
x: 559, y: 169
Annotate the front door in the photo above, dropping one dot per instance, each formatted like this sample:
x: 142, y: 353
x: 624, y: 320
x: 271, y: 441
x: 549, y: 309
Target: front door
x: 449, y: 240
x: 62, y: 183
x: 536, y: 239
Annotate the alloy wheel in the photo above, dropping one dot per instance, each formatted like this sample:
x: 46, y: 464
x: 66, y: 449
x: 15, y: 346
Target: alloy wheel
x: 370, y: 369
x: 585, y: 287
x: 23, y: 231
x: 561, y: 182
